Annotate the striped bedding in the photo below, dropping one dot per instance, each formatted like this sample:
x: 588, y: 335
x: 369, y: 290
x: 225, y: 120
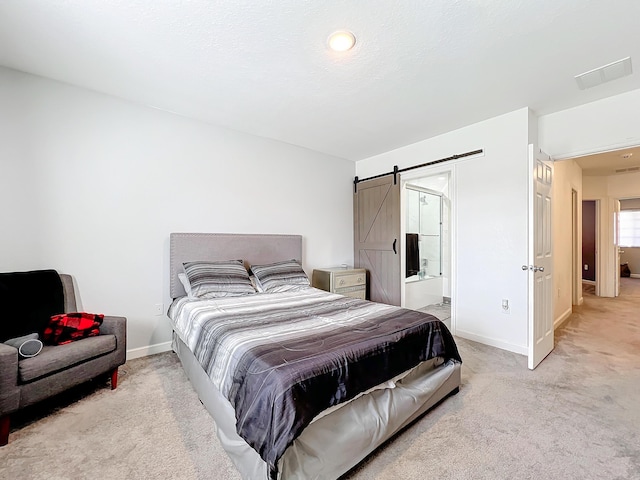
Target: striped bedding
x: 282, y: 358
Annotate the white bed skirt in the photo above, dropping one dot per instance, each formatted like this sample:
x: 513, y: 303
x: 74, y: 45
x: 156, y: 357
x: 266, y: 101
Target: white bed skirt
x: 335, y: 443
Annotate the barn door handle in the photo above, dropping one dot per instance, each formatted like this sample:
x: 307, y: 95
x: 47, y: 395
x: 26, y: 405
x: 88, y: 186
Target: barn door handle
x: 394, y: 246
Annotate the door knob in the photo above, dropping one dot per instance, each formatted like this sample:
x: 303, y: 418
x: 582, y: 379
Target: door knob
x: 533, y: 268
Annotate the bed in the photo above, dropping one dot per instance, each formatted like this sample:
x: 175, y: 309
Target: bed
x: 301, y: 431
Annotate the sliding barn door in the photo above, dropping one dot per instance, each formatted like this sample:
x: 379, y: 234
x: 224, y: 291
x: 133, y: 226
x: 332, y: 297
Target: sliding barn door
x: 376, y: 216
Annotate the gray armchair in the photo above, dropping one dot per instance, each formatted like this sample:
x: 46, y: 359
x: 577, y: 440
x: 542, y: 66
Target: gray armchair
x: 24, y: 382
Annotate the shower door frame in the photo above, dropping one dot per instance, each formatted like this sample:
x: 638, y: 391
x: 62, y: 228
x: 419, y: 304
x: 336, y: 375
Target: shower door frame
x: 418, y: 188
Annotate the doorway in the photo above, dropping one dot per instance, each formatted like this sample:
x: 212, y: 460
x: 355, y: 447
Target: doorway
x: 629, y: 243
x: 426, y: 235
x: 608, y: 177
x: 589, y: 242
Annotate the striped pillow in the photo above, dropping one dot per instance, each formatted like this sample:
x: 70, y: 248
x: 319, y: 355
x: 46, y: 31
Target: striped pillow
x: 280, y: 276
x: 218, y: 279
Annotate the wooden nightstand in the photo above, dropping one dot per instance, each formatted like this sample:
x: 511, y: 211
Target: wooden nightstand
x: 350, y: 282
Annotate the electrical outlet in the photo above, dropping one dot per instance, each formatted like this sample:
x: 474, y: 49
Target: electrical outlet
x: 586, y: 267
x: 505, y: 306
x: 158, y: 309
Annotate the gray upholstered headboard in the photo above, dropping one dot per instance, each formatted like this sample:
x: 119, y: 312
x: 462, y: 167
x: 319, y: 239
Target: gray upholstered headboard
x: 253, y: 249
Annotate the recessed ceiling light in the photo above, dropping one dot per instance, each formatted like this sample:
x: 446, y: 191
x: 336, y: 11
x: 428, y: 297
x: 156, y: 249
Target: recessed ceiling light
x: 627, y: 155
x: 341, y: 41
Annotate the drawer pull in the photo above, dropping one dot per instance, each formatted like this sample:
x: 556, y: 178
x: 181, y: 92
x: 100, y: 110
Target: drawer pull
x: 360, y: 279
x: 341, y: 282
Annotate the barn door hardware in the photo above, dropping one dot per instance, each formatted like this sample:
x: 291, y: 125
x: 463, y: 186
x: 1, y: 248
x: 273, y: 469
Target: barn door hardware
x: 396, y: 170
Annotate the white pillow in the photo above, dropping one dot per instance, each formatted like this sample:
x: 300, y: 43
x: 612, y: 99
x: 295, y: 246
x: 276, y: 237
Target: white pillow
x: 256, y: 284
x: 185, y: 283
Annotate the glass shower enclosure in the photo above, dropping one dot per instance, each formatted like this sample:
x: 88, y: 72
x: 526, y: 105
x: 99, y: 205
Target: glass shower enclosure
x: 424, y: 233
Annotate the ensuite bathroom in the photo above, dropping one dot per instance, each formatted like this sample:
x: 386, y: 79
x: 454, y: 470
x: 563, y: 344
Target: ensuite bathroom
x: 427, y: 246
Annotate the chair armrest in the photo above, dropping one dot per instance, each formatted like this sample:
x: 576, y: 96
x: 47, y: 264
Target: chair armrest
x: 9, y: 392
x: 116, y: 326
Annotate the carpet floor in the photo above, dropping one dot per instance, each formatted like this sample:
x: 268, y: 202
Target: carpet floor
x: 577, y: 416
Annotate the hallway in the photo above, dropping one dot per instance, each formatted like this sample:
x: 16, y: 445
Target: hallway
x: 606, y: 327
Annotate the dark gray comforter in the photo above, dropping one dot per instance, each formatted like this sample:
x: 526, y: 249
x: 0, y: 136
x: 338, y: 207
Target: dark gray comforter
x: 281, y: 359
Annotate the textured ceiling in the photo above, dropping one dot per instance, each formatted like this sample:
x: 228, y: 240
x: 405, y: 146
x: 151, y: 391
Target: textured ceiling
x: 419, y: 68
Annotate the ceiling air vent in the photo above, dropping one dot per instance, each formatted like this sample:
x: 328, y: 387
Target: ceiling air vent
x: 627, y: 170
x: 603, y: 74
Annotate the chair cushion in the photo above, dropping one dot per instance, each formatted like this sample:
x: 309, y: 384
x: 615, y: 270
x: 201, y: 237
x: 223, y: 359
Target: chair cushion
x: 52, y: 359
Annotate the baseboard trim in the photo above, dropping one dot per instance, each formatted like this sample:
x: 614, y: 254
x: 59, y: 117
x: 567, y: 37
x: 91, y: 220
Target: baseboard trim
x: 148, y: 350
x: 562, y: 318
x: 589, y: 282
x: 580, y: 301
x: 635, y: 275
x: 492, y: 342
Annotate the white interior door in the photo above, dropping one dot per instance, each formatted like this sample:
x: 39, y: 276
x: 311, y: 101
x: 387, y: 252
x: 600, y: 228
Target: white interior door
x: 540, y: 268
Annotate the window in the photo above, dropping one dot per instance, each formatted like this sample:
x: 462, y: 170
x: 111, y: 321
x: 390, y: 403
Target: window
x: 629, y: 228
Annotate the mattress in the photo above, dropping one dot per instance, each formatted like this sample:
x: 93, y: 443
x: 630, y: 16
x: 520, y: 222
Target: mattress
x: 280, y: 360
x: 330, y: 447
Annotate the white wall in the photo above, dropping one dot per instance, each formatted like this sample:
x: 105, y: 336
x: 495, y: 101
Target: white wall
x: 604, y: 125
x: 599, y: 126
x: 623, y: 186
x: 102, y: 182
x: 631, y: 255
x: 19, y: 215
x: 567, y: 177
x: 489, y: 205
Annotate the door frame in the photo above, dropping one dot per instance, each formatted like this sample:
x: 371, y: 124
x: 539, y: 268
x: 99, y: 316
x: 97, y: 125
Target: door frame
x: 576, y: 243
x: 616, y: 247
x: 626, y: 197
x: 432, y: 171
x: 602, y: 261
x: 597, y: 259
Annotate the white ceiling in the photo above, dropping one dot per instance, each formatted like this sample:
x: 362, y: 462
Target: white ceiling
x: 419, y: 68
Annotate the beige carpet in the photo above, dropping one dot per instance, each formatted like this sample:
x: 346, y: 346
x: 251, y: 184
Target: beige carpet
x: 577, y: 416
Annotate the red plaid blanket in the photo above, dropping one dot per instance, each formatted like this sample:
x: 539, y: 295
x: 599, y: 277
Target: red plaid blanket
x: 67, y: 327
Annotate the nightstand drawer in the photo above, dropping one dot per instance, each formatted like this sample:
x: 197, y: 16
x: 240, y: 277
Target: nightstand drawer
x: 350, y: 280
x: 361, y: 293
